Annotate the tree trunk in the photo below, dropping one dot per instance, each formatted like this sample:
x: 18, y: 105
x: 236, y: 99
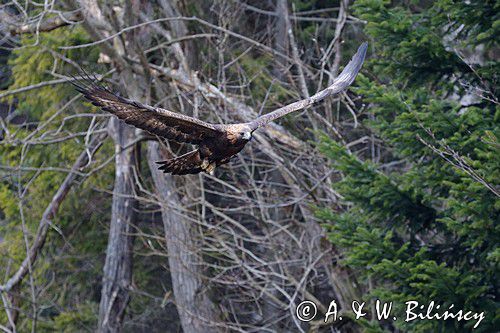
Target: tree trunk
x: 117, y: 272
x: 281, y: 42
x: 196, y: 311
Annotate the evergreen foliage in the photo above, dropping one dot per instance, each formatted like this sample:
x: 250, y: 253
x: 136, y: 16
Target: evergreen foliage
x: 422, y: 222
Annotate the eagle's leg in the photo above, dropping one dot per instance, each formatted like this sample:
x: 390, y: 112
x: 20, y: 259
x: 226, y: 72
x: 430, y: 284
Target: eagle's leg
x: 204, y: 164
x: 210, y: 169
x: 207, y: 166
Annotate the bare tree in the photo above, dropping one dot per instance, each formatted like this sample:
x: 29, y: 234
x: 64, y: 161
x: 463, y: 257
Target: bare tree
x: 244, y: 247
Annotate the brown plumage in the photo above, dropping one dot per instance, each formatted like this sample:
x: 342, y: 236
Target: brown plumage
x: 217, y: 143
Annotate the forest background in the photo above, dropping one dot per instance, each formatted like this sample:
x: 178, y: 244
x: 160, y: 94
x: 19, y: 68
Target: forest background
x: 388, y: 191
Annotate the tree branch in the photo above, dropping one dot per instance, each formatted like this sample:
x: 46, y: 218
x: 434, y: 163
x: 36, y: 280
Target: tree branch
x: 50, y: 213
x: 15, y: 27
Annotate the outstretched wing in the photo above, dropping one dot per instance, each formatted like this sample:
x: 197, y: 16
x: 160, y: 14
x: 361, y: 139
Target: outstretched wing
x: 164, y: 123
x: 340, y: 83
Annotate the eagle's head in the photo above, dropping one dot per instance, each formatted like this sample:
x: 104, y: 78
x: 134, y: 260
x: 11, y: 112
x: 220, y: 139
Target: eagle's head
x: 240, y: 133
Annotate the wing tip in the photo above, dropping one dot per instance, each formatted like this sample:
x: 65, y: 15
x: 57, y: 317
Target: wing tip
x: 359, y: 58
x: 87, y: 84
x: 363, y: 46
x: 362, y: 49
x: 92, y: 88
x: 354, y: 66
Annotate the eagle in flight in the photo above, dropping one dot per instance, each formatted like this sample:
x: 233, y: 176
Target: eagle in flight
x: 217, y: 143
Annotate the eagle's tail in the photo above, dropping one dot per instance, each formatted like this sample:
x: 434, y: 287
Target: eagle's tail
x: 189, y: 163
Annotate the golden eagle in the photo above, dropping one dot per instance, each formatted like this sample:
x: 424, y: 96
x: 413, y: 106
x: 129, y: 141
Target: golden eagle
x: 217, y: 143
